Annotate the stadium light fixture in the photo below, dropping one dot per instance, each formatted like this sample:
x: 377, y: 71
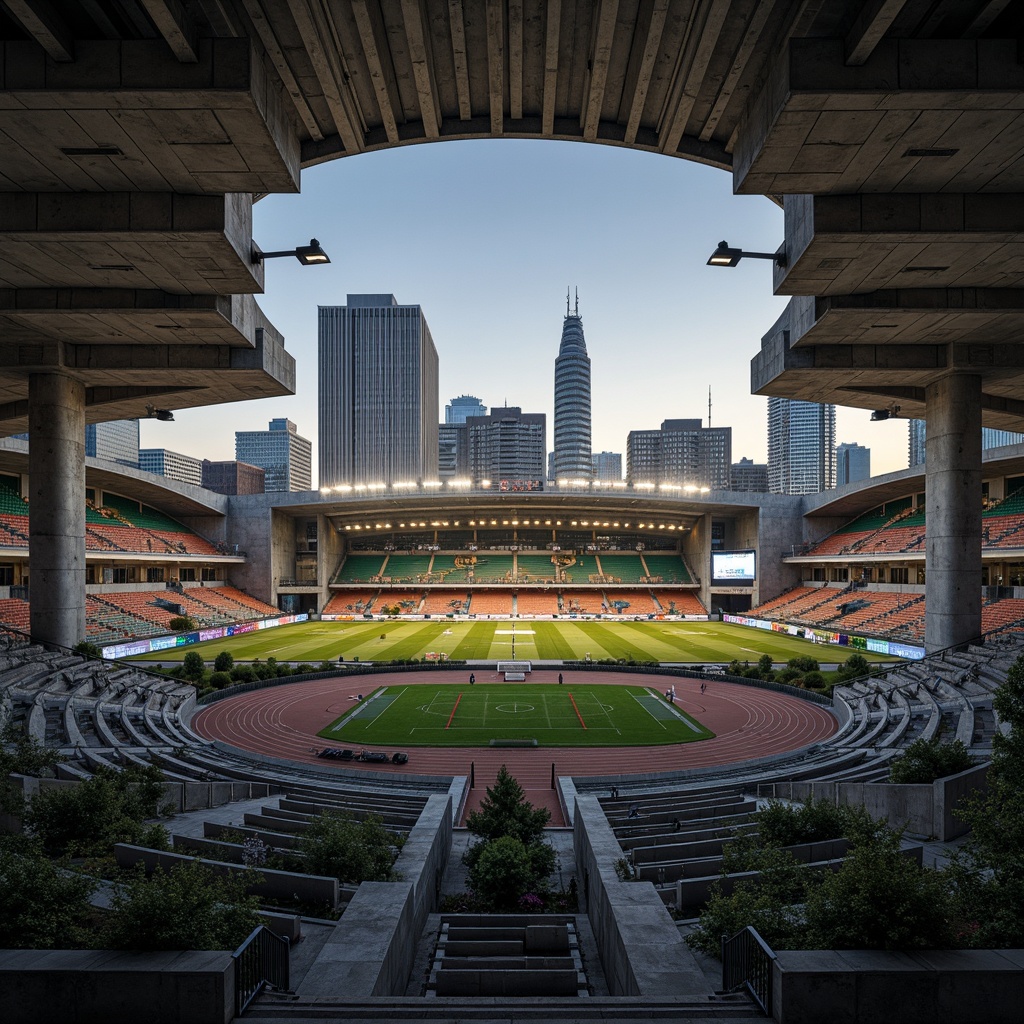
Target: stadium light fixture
x: 164, y: 415
x: 726, y: 256
x: 880, y: 415
x: 308, y: 255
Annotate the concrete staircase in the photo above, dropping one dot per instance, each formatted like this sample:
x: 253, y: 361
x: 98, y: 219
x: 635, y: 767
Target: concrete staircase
x: 713, y: 1009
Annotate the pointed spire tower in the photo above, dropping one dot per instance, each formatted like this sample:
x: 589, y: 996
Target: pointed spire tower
x: 572, y: 453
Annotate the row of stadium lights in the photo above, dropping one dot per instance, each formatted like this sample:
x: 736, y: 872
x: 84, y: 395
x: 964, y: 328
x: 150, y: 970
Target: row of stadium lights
x: 513, y: 522
x: 465, y: 485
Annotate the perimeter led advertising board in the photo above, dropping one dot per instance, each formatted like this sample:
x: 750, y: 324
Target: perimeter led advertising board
x: 732, y: 568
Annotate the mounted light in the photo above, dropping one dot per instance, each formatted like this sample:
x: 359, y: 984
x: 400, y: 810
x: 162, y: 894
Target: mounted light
x: 726, y: 256
x: 307, y: 255
x: 165, y: 415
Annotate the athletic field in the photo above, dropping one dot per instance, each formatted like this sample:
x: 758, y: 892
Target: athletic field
x: 552, y: 716
x: 492, y: 640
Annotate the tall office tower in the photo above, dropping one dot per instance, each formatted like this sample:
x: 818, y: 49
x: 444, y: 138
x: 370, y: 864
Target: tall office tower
x: 681, y: 452
x: 172, y: 465
x: 115, y: 441
x: 801, y: 446
x: 453, y: 450
x: 508, y: 448
x: 853, y: 463
x: 749, y: 476
x: 285, y: 457
x: 233, y: 477
x: 607, y: 466
x: 378, y: 393
x: 458, y: 409
x: 990, y: 438
x: 572, y: 401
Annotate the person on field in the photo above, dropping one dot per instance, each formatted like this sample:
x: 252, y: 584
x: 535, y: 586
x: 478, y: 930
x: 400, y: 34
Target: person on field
x: 472, y: 678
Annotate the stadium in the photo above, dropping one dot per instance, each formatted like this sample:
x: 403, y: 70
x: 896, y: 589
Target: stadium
x: 667, y: 673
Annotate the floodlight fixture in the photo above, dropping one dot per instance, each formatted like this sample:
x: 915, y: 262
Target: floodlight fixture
x: 880, y: 415
x: 307, y: 255
x: 165, y: 415
x: 726, y: 256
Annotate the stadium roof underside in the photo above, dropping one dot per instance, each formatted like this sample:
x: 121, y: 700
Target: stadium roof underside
x: 534, y: 509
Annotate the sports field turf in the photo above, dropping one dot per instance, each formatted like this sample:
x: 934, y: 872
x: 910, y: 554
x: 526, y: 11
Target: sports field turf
x: 491, y: 639
x: 553, y: 715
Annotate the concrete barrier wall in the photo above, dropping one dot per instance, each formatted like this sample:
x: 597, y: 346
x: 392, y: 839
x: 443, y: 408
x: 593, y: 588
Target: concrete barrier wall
x: 924, y: 809
x: 111, y: 987
x: 968, y: 986
x: 372, y: 950
x: 641, y: 950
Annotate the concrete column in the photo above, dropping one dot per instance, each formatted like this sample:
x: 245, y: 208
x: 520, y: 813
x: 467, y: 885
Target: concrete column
x: 56, y: 545
x: 953, y: 511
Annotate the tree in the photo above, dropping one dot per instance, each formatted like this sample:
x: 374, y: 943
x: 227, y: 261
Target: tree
x: 505, y: 811
x: 182, y: 624
x: 20, y: 754
x: 88, y: 818
x: 188, y: 908
x: 764, y: 665
x: 224, y: 662
x: 41, y: 906
x: 192, y: 666
x: 503, y: 873
x: 989, y: 875
x: 352, y: 851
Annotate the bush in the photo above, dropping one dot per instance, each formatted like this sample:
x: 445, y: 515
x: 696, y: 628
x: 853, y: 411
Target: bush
x: 349, y: 850
x: 189, y: 908
x: 924, y: 761
x: 804, y: 663
x: 88, y: 818
x: 503, y: 873
x: 814, y: 681
x: 182, y: 624
x: 41, y: 906
x: 87, y: 649
x: 193, y: 667
x: 243, y: 674
x: 218, y: 680
x: 224, y: 662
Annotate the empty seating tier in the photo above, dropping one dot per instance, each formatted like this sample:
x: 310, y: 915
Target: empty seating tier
x: 622, y: 568
x: 360, y: 569
x: 666, y: 569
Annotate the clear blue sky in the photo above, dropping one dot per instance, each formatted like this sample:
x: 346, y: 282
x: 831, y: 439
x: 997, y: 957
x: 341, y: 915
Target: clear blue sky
x: 487, y: 236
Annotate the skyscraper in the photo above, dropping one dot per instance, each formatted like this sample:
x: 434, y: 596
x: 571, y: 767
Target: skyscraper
x: 801, y: 446
x: 853, y: 463
x: 608, y: 466
x: 749, y: 476
x: 378, y: 393
x: 285, y: 457
x: 508, y: 448
x: 113, y: 440
x: 572, y: 401
x: 681, y: 452
x: 172, y: 465
x: 990, y: 438
x: 459, y: 409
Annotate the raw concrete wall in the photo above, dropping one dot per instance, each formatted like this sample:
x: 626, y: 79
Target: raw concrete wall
x: 641, y: 950
x: 371, y: 951
x: 923, y: 810
x: 111, y: 987
x: 965, y: 986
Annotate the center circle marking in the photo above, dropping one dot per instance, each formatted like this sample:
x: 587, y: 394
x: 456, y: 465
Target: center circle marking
x: 514, y: 709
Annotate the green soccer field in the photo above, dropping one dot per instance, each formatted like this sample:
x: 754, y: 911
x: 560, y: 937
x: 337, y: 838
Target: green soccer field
x: 553, y: 715
x: 492, y: 639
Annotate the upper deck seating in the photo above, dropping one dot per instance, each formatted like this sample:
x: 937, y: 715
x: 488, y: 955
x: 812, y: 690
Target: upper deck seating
x: 535, y: 569
x: 360, y: 569
x: 666, y: 568
x: 406, y: 568
x: 621, y: 568
x: 491, y: 566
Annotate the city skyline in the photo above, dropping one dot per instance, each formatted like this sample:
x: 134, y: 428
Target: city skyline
x: 631, y: 230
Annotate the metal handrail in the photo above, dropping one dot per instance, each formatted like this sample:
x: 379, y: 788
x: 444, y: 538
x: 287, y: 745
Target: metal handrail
x: 747, y: 962
x: 263, y: 959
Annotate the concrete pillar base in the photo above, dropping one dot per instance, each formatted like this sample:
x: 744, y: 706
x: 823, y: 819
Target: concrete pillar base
x: 953, y: 511
x: 56, y: 545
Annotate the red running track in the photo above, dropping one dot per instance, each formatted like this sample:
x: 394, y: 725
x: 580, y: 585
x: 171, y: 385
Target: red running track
x: 283, y: 721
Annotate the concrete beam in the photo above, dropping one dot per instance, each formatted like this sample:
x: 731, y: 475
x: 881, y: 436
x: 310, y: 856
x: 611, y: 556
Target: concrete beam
x: 45, y: 25
x: 128, y: 116
x: 176, y: 243
x: 842, y: 245
x: 920, y: 115
x: 177, y: 28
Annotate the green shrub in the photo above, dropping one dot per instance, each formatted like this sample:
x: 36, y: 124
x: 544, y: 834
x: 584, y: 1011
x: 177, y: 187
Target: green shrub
x: 924, y: 761
x: 349, y: 850
x: 192, y: 666
x: 182, y: 624
x: 804, y: 663
x: 218, y: 680
x: 224, y: 662
x: 814, y: 680
x: 503, y: 873
x: 243, y: 674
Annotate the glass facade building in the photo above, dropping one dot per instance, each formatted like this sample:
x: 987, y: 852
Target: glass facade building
x: 458, y: 410
x: 990, y: 438
x: 572, y: 439
x: 285, y: 457
x: 378, y: 404
x: 172, y: 465
x: 853, y: 463
x: 801, y: 446
x: 115, y: 441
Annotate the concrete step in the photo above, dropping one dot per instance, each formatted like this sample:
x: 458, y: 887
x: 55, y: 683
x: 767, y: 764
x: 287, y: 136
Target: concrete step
x: 716, y: 1009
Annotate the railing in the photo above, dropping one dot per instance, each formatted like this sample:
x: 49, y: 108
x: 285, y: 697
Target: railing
x: 263, y: 959
x: 747, y: 962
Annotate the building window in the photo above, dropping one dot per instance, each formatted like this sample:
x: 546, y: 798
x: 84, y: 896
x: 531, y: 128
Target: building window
x: 899, y: 575
x: 209, y: 573
x: 154, y: 574
x: 187, y: 574
x: 6, y: 575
